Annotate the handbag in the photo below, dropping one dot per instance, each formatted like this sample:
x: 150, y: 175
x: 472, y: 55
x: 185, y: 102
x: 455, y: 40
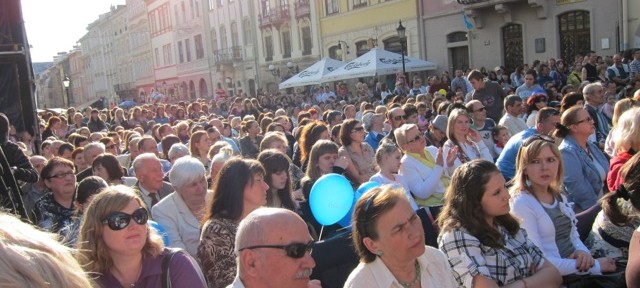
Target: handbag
x: 166, y: 260
x: 610, y: 280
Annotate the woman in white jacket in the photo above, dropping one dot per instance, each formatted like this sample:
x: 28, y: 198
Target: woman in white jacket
x: 423, y: 167
x: 545, y: 213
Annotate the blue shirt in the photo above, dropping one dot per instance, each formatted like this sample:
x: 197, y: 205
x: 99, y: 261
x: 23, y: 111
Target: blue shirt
x: 507, y: 160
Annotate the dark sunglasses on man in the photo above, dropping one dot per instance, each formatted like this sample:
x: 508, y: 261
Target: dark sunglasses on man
x: 294, y: 250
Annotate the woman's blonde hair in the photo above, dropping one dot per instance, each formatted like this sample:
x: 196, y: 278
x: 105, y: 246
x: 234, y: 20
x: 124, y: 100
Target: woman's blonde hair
x: 33, y: 258
x: 625, y: 133
x: 525, y: 155
x: 93, y: 254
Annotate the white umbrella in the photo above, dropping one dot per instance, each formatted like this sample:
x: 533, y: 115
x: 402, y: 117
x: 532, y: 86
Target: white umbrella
x: 378, y: 62
x: 313, y: 74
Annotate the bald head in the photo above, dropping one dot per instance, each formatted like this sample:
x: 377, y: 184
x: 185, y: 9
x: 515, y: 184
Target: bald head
x: 261, y: 226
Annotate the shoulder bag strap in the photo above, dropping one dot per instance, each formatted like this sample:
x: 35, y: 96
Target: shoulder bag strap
x: 166, y: 261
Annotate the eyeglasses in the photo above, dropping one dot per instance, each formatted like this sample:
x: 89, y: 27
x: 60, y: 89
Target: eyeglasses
x: 480, y: 109
x: 535, y: 137
x: 294, y: 250
x: 398, y: 117
x: 120, y: 220
x: 61, y: 175
x: 588, y: 119
x: 358, y: 129
x: 415, y: 139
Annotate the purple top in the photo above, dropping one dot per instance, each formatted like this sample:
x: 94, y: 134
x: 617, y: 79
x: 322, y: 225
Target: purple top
x: 183, y: 270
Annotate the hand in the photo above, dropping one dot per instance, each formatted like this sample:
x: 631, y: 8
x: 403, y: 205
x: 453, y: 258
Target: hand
x: 607, y: 264
x: 452, y: 155
x: 342, y: 162
x: 314, y: 284
x: 439, y: 160
x: 584, y: 261
x: 474, y: 136
x: 534, y: 268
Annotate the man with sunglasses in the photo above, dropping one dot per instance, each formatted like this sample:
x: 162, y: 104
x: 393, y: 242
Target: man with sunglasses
x: 395, y: 118
x: 546, y: 121
x: 273, y: 249
x: 481, y: 123
x: 593, y: 100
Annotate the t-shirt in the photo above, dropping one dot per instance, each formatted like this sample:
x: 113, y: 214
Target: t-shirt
x: 492, y: 97
x: 486, y: 132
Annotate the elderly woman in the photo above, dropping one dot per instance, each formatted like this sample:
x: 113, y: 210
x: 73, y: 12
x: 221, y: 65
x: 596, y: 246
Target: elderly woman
x: 181, y: 213
x: 484, y: 243
x: 584, y: 182
x: 626, y: 142
x: 240, y: 188
x: 466, y: 142
x: 55, y: 209
x: 422, y: 167
x: 389, y: 239
x: 357, y: 150
x: 118, y: 246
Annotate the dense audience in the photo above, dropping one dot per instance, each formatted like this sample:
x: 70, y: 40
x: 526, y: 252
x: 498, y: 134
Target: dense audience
x: 199, y: 168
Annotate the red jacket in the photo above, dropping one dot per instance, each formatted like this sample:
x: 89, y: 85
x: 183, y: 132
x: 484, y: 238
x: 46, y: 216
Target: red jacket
x: 613, y: 178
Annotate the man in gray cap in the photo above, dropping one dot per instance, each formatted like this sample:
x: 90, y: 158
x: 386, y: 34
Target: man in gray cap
x: 436, y: 135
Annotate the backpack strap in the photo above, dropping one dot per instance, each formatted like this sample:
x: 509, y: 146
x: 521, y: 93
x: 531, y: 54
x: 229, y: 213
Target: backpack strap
x: 166, y: 261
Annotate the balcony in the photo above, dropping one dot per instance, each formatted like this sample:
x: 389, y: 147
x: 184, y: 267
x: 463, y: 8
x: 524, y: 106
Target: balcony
x: 274, y: 18
x: 502, y: 7
x: 302, y: 9
x: 228, y: 56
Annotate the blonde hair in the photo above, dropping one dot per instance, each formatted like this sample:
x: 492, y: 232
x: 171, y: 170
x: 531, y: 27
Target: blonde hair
x: 271, y: 137
x: 93, y: 254
x: 625, y: 133
x: 33, y: 258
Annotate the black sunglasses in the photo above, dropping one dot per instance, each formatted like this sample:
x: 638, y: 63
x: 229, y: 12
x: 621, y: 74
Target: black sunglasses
x: 294, y: 250
x: 415, y: 139
x: 120, y: 220
x: 535, y: 137
x: 398, y: 118
x: 358, y: 129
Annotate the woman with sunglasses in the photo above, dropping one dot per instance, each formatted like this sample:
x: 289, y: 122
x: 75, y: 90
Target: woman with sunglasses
x: 117, y: 245
x: 545, y: 213
x: 484, y: 243
x: 357, y: 150
x: 584, y: 182
x: 239, y: 189
x: 422, y: 167
x: 465, y: 142
x: 389, y: 240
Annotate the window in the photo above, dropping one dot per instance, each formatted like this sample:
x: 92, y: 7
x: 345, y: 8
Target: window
x: 394, y: 44
x: 197, y: 41
x: 234, y: 34
x: 157, y: 52
x: 223, y: 38
x: 175, y: 12
x: 180, y: 52
x: 306, y: 40
x: 197, y: 9
x: 268, y: 48
x: 332, y: 6
x: 184, y: 12
x: 456, y: 37
x: 214, y: 40
x: 166, y: 53
x: 247, y: 31
x: 192, y: 9
x: 362, y: 47
x: 512, y: 45
x: 333, y: 53
x: 286, y: 43
x: 575, y: 33
x: 359, y: 3
x: 187, y: 48
x: 266, y: 9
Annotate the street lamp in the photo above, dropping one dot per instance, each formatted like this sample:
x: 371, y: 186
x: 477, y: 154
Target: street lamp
x: 401, y: 34
x: 342, y: 47
x: 66, y: 83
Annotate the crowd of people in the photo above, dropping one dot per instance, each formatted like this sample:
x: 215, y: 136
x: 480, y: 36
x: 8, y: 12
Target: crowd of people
x: 529, y: 177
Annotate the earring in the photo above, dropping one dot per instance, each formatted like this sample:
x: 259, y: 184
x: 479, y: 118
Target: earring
x: 379, y: 253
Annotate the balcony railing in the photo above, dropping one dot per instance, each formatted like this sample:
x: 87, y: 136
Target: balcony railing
x: 274, y: 17
x: 228, y: 55
x: 302, y: 8
x: 484, y: 3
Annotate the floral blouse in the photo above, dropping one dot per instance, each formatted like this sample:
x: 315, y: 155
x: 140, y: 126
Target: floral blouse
x: 216, y: 252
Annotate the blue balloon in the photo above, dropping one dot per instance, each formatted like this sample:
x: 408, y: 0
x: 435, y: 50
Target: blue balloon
x: 331, y: 198
x: 364, y: 187
x: 156, y: 226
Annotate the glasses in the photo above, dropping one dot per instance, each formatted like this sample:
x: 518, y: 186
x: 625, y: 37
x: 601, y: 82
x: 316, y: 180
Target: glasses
x: 588, y: 119
x: 358, y: 129
x: 415, y: 139
x: 398, y: 117
x: 535, y: 137
x: 294, y: 250
x: 61, y: 175
x: 120, y: 220
x: 480, y: 109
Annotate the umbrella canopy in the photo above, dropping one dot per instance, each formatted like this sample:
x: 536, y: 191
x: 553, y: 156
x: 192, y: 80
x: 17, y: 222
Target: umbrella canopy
x: 127, y: 104
x: 313, y: 74
x: 378, y: 62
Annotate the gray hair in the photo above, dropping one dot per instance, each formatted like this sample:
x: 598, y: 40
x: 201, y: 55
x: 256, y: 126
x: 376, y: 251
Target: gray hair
x: 137, y: 163
x: 590, y: 88
x: 92, y: 146
x: 225, y: 154
x: 177, y: 150
x: 185, y: 171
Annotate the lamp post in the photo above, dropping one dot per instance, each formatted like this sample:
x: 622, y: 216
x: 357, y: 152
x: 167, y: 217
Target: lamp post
x: 401, y: 34
x: 66, y: 83
x: 344, y: 47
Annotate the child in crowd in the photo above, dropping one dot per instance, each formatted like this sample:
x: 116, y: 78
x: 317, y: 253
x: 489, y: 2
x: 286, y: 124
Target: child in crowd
x: 388, y: 158
x: 500, y: 138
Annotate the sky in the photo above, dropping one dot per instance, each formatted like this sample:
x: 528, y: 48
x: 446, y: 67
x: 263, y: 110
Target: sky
x: 55, y: 26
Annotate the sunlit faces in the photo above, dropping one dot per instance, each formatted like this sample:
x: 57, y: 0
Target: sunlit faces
x: 100, y: 171
x: 584, y: 125
x: 415, y: 140
x: 204, y: 143
x: 195, y: 191
x: 476, y: 84
x: 255, y: 193
x: 400, y: 234
x: 279, y: 179
x: 325, y: 135
x: 61, y: 181
x: 461, y: 126
x: 503, y: 136
x: 412, y: 119
x: 357, y: 133
x: 542, y: 169
x: 495, y: 200
x: 150, y: 175
x: 128, y: 240
x: 278, y: 145
x: 528, y: 80
x: 393, y: 160
x: 326, y: 161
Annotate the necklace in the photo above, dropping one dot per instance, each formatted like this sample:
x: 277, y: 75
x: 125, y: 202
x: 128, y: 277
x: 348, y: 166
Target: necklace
x: 415, y: 280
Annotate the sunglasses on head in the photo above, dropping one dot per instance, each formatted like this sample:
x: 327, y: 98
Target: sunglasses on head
x: 535, y: 137
x: 294, y: 250
x: 120, y: 220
